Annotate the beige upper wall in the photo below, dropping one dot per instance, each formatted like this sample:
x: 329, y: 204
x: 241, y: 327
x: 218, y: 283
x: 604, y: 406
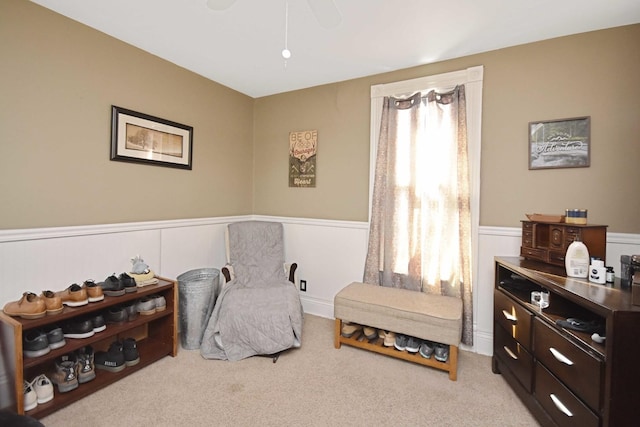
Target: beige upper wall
x: 60, y: 78
x: 58, y: 81
x: 592, y: 74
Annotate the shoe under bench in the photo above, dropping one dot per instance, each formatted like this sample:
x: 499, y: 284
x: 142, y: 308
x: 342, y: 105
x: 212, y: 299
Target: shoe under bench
x: 429, y: 317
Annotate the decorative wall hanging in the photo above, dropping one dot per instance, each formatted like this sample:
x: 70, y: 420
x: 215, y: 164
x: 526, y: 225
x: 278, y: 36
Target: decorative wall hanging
x: 303, y: 147
x: 563, y: 143
x: 141, y: 138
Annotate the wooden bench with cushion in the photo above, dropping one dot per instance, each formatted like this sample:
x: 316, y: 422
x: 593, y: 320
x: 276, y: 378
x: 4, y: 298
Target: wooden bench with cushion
x: 429, y: 317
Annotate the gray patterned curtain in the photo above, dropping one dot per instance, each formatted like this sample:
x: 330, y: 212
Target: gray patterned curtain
x: 420, y: 231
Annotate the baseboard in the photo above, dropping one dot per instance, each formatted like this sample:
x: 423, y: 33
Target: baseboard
x: 483, y: 343
x: 317, y: 307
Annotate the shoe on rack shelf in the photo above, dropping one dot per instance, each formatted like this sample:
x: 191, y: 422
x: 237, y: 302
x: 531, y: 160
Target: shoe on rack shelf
x: 74, y: 296
x: 111, y: 360
x: 131, y: 310
x: 52, y: 302
x: 30, y: 306
x: 78, y: 328
x: 401, y: 342
x: 55, y: 337
x: 86, y: 364
x: 146, y: 306
x: 97, y: 322
x: 442, y: 352
x: 115, y: 314
x: 349, y: 329
x: 128, y: 282
x: 426, y: 349
x: 160, y: 302
x: 370, y: 333
x: 30, y: 398
x: 112, y: 286
x: 35, y: 343
x: 65, y: 375
x: 389, y: 339
x: 94, y: 290
x: 130, y: 351
x: 413, y: 344
x: 43, y: 387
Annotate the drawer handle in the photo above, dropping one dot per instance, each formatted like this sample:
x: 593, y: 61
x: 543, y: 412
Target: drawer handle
x: 510, y: 353
x: 560, y: 405
x: 560, y: 357
x: 510, y: 317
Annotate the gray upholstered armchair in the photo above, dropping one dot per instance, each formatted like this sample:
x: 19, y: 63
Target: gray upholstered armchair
x: 258, y: 311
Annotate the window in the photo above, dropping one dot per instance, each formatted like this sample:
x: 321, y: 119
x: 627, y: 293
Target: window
x: 420, y: 176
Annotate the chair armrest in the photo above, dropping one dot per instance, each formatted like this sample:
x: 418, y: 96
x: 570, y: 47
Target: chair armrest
x: 290, y: 271
x: 227, y: 272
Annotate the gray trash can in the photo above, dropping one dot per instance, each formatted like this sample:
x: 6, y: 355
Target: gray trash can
x: 197, y: 293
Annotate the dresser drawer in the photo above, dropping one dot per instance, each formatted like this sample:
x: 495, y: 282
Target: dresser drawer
x: 513, y: 318
x: 531, y: 253
x: 514, y: 356
x: 578, y: 370
x: 557, y: 257
x: 560, y: 403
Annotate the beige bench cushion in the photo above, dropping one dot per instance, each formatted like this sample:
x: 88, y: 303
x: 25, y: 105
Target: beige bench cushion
x: 430, y: 317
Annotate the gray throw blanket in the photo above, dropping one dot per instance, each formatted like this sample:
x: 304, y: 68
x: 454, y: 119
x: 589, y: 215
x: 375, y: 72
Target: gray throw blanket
x: 259, y: 311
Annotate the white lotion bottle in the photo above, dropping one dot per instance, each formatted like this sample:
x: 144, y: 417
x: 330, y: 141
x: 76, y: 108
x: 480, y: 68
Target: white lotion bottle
x: 576, y: 261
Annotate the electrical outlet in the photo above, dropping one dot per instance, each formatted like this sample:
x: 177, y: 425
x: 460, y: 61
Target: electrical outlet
x: 303, y: 285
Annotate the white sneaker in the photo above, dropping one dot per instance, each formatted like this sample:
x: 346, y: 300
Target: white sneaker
x: 161, y: 302
x: 30, y: 397
x: 43, y: 388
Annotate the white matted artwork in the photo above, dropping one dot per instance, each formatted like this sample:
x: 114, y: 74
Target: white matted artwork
x: 141, y: 138
x: 303, y: 150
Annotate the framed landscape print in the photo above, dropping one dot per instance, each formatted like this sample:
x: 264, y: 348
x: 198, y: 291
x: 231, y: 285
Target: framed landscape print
x: 141, y: 138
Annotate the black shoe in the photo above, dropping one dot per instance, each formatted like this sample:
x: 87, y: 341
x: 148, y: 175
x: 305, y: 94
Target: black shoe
x: 116, y: 314
x: 86, y: 365
x: 55, y: 336
x: 112, y: 360
x: 78, y: 328
x: 128, y: 282
x: 35, y: 343
x: 131, y: 311
x: 112, y: 286
x: 98, y: 322
x: 130, y: 350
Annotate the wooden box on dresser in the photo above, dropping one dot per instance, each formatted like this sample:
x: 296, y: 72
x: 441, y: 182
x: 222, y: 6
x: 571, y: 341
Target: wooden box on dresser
x: 562, y: 375
x: 548, y: 242
x: 156, y: 337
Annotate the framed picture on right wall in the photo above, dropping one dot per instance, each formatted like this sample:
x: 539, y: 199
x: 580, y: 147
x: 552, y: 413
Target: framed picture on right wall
x: 562, y: 143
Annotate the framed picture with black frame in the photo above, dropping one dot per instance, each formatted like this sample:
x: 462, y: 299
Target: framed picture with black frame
x: 141, y: 138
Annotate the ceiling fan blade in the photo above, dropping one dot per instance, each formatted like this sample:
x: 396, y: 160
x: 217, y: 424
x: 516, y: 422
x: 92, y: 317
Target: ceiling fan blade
x: 219, y: 4
x: 326, y: 12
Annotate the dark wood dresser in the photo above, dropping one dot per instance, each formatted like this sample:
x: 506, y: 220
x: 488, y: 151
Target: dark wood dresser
x: 562, y: 375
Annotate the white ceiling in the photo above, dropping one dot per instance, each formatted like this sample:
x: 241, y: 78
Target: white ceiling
x: 240, y: 47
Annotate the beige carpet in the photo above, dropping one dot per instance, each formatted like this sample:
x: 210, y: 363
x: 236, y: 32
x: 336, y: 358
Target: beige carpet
x: 315, y: 385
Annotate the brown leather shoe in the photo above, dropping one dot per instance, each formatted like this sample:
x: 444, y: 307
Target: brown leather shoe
x: 94, y: 291
x: 74, y: 296
x: 30, y: 306
x: 53, y: 302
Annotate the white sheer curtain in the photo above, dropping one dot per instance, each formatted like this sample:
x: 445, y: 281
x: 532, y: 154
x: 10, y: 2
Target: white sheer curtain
x: 420, y: 231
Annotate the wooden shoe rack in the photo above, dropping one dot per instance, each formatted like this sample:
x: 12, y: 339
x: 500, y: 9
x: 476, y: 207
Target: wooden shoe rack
x: 156, y: 335
x: 377, y: 345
